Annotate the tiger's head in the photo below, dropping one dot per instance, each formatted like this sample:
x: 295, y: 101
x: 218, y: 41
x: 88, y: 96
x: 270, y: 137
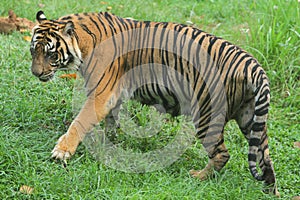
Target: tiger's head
x: 53, y: 47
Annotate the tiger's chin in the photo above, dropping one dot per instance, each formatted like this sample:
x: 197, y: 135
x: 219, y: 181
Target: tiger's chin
x: 46, y: 77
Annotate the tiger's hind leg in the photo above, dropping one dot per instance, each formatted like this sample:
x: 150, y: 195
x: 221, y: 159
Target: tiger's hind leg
x: 213, y: 142
x: 216, y: 162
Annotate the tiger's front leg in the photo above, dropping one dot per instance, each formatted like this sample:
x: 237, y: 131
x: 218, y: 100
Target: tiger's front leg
x: 94, y: 110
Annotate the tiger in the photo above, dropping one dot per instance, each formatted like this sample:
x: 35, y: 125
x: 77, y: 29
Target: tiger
x: 186, y: 70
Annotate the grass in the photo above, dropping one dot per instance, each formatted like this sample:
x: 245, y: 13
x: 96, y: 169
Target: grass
x: 34, y: 114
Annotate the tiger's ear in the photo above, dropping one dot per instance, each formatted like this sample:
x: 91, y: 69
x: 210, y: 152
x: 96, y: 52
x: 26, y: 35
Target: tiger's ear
x: 40, y: 17
x: 69, y: 28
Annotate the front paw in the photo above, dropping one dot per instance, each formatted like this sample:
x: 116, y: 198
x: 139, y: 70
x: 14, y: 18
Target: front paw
x: 64, y: 148
x: 59, y: 154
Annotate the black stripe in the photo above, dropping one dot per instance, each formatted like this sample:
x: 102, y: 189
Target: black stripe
x: 67, y: 18
x: 252, y: 157
x: 254, y: 142
x: 262, y: 99
x: 88, y: 63
x: 110, y: 21
x: 102, y: 23
x: 195, y: 33
x: 86, y: 29
x: 262, y: 109
x: 87, y: 79
x: 97, y: 26
x: 231, y: 50
x: 258, y: 126
x: 92, y: 90
x: 261, y: 113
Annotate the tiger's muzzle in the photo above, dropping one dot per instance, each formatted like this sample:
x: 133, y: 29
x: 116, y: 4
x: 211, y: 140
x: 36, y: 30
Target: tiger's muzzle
x: 40, y: 66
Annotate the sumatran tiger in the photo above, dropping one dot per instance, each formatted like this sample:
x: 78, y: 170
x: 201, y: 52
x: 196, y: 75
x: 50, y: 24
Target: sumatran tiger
x: 180, y: 67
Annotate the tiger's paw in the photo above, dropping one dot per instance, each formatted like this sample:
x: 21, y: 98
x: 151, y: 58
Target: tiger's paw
x: 271, y: 189
x: 201, y: 174
x: 63, y: 149
x: 60, y: 154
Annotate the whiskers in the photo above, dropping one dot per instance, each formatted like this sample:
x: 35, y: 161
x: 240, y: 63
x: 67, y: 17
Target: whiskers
x: 73, y: 68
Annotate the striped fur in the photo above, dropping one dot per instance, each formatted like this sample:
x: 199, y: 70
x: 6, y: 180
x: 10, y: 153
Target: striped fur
x: 186, y: 70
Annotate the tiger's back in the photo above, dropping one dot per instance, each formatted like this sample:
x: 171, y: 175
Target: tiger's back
x: 184, y: 69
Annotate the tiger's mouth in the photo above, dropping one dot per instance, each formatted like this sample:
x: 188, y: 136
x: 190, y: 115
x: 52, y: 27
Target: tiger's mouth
x: 46, y: 76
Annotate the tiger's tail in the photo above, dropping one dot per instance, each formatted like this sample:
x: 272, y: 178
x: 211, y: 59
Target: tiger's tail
x: 258, y: 137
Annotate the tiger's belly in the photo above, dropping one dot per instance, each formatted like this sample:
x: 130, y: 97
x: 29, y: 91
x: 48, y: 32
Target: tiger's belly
x: 163, y: 100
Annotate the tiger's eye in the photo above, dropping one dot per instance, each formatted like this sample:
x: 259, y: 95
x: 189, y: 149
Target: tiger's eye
x: 53, y: 56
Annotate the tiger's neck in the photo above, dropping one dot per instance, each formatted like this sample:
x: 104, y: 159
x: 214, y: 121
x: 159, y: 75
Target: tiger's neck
x: 94, y: 29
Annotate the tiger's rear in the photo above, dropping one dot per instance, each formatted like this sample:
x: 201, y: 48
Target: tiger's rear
x: 182, y: 68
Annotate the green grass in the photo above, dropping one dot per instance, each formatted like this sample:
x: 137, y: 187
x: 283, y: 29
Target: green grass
x: 33, y: 114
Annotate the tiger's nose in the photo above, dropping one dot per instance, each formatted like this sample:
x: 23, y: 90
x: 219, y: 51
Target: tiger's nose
x: 36, y: 69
